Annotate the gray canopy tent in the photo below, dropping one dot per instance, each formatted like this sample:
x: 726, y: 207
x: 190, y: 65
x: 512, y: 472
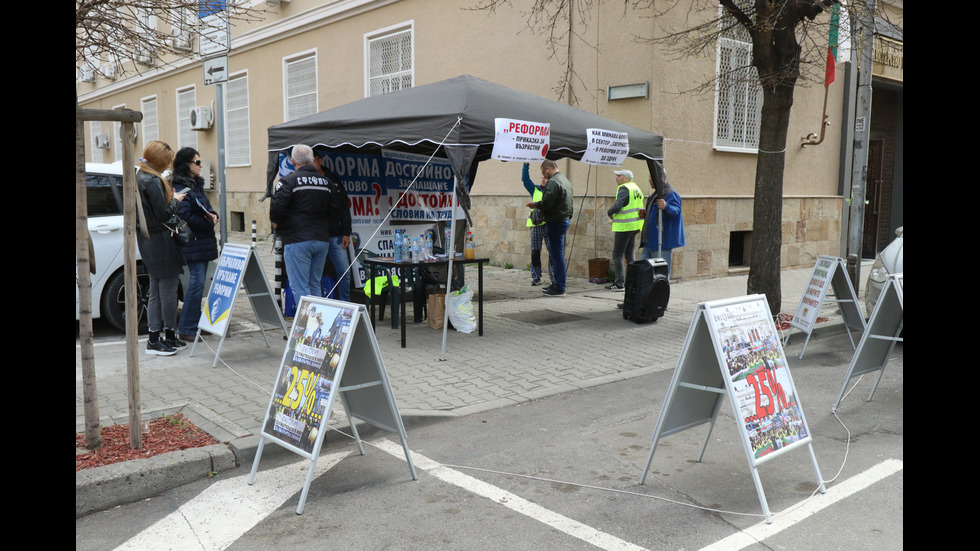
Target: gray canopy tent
x: 452, y: 119
x: 417, y: 120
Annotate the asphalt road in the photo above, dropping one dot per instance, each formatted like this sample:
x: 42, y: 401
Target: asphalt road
x: 561, y: 473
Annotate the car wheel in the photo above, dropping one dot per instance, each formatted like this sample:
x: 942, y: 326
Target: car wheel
x: 114, y: 299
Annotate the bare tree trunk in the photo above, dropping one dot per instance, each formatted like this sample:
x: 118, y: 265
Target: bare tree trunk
x: 767, y: 230
x: 93, y: 432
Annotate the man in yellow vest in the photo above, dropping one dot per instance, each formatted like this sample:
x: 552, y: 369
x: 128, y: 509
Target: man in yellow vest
x: 537, y: 232
x: 626, y: 224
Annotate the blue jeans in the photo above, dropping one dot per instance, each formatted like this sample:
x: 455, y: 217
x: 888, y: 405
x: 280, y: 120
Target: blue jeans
x: 338, y: 257
x: 556, y: 241
x: 191, y: 312
x: 304, y: 267
x: 652, y: 253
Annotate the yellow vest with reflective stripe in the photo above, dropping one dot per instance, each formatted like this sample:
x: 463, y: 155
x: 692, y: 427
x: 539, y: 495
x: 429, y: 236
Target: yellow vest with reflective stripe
x: 536, y: 197
x: 628, y: 219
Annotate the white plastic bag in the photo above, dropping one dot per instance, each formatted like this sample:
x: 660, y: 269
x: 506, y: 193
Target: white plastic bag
x: 460, y: 306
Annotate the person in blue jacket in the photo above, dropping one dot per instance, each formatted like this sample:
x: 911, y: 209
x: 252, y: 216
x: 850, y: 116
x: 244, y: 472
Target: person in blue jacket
x: 202, y: 248
x: 673, y: 229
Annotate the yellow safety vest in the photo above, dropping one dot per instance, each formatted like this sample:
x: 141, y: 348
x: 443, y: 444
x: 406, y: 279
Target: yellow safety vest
x: 380, y: 282
x: 628, y: 218
x: 536, y: 197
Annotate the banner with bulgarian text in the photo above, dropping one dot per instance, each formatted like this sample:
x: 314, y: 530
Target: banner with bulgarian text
x: 517, y: 140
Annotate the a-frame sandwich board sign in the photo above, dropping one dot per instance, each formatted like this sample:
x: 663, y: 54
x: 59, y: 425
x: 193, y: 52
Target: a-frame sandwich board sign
x: 733, y: 349
x: 829, y: 271
x: 884, y: 327
x: 331, y: 349
x: 238, y: 265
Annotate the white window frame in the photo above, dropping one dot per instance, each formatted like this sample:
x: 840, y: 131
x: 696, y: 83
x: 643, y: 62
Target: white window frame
x: 385, y: 78
x: 151, y: 119
x: 117, y: 135
x: 94, y: 129
x: 186, y: 137
x: 738, y: 93
x: 237, y: 155
x: 290, y: 92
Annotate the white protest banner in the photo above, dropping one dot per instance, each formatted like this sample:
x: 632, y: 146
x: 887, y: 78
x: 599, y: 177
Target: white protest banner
x: 516, y: 140
x: 605, y: 147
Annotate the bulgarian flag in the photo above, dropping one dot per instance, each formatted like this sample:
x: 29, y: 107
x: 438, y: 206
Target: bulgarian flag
x: 837, y: 50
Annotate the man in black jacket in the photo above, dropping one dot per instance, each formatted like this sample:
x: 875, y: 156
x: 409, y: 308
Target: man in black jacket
x: 300, y: 213
x: 340, y: 229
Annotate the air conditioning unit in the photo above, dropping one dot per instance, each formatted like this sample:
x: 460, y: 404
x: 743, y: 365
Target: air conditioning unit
x: 182, y: 40
x: 207, y: 175
x: 102, y: 141
x: 201, y: 118
x: 88, y: 74
x: 145, y: 57
x: 274, y: 3
x: 109, y: 70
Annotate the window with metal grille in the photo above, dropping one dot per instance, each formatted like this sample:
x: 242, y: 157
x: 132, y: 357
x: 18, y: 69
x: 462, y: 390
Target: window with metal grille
x: 390, y: 64
x: 95, y: 130
x: 186, y: 100
x: 300, y: 87
x: 236, y: 119
x: 151, y: 128
x: 738, y: 94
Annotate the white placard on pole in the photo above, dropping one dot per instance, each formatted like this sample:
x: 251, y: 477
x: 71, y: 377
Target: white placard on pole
x: 733, y: 349
x: 238, y: 266
x: 606, y: 147
x: 884, y: 327
x: 829, y: 271
x: 516, y: 140
x: 331, y: 349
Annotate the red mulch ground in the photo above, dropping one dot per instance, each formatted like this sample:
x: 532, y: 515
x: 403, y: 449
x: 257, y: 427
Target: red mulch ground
x: 167, y: 434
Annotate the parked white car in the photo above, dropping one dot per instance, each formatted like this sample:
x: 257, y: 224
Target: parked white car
x: 105, y: 225
x: 890, y: 261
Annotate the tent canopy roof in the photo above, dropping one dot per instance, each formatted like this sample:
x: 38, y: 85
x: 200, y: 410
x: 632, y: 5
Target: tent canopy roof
x: 419, y: 119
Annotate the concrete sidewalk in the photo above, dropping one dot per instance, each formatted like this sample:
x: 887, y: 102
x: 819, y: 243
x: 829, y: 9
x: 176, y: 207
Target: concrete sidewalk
x: 533, y: 346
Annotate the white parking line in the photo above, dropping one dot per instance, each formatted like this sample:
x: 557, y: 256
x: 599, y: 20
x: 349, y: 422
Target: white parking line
x: 761, y: 531
x: 223, y: 512
x: 514, y: 502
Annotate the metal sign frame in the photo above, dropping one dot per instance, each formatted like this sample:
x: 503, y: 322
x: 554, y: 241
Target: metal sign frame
x: 331, y: 350
x: 884, y: 327
x: 238, y: 265
x: 733, y: 349
x: 827, y: 269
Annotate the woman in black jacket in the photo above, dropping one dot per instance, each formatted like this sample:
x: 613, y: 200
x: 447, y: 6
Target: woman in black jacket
x: 159, y: 251
x: 202, y: 248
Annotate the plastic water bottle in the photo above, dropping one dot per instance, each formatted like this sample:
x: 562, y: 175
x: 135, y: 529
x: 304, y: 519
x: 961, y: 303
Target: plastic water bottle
x: 406, y: 249
x: 398, y: 246
x: 428, y: 246
x: 415, y: 250
x: 469, y: 253
x: 449, y: 238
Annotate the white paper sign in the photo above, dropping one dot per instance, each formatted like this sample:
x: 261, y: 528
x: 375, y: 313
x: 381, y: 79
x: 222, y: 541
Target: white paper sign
x: 606, y: 147
x: 516, y: 140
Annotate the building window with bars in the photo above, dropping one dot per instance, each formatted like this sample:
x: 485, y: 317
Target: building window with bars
x: 236, y: 119
x: 738, y: 94
x: 151, y: 129
x: 186, y: 101
x: 300, y: 87
x: 389, y: 61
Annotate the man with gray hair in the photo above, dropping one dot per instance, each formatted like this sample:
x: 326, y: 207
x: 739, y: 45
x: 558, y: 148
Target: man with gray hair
x: 300, y: 213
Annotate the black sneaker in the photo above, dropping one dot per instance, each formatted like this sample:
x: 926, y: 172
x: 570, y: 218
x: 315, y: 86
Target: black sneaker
x: 552, y: 292
x: 160, y: 348
x: 176, y: 344
x: 615, y: 287
x: 535, y: 283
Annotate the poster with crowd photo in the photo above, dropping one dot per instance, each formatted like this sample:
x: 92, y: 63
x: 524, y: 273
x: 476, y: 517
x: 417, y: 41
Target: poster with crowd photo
x: 762, y: 390
x: 307, y: 379
x: 415, y: 190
